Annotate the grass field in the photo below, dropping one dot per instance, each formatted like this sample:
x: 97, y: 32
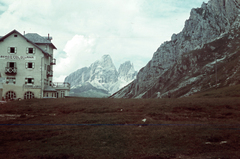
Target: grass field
x: 201, y: 126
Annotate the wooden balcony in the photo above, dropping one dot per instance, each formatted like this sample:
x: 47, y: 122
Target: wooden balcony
x: 53, y: 62
x: 11, y: 70
x: 49, y: 73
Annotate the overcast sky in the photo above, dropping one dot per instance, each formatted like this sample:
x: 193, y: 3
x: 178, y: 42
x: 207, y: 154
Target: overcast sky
x: 85, y: 30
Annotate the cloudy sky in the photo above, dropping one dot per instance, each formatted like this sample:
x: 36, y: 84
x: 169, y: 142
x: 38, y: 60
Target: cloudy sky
x: 85, y: 30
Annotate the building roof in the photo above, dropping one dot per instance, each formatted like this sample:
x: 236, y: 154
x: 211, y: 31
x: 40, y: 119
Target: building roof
x: 29, y: 39
x: 37, y: 39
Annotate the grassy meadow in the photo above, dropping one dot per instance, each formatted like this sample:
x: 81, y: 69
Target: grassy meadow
x: 205, y: 125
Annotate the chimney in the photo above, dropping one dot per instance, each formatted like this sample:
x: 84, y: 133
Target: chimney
x: 48, y: 37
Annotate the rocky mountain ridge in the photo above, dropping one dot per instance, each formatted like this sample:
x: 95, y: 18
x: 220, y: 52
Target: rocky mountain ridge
x: 101, y: 78
x: 216, y: 22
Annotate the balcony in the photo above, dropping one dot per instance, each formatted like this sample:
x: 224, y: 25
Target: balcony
x: 11, y: 70
x: 49, y: 73
x: 61, y: 85
x: 53, y: 61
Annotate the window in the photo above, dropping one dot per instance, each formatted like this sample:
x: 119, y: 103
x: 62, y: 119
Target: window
x: 12, y: 50
x: 28, y: 95
x: 30, y: 65
x: 30, y: 50
x: 11, y: 80
x: 12, y: 64
x: 62, y: 94
x: 10, y: 95
x: 29, y: 81
x: 15, y: 35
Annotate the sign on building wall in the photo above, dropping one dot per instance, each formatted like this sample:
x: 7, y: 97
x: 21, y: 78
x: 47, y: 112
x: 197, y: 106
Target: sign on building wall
x: 11, y: 57
x: 2, y: 79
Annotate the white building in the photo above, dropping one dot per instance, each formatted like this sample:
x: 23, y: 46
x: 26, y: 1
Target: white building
x: 26, y: 67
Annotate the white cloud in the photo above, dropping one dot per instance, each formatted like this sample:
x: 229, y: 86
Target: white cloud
x: 84, y: 30
x: 79, y: 53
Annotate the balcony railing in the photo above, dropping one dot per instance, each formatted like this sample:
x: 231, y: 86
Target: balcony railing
x: 49, y: 73
x: 11, y: 70
x: 61, y: 85
x: 53, y: 62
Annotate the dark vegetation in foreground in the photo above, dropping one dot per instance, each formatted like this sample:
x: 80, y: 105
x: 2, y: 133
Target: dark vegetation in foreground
x: 204, y: 125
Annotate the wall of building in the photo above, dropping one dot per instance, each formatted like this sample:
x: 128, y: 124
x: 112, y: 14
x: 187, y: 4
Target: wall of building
x: 2, y: 80
x: 21, y: 58
x: 50, y: 94
x: 47, y: 61
x: 20, y: 91
x: 62, y: 93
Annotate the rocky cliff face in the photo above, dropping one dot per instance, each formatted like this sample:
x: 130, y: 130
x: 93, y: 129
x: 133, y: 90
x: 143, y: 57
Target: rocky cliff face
x: 213, y: 21
x: 126, y: 72
x: 101, y: 78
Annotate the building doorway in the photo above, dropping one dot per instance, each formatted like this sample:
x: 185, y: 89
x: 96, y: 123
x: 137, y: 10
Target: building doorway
x: 28, y: 95
x: 10, y: 95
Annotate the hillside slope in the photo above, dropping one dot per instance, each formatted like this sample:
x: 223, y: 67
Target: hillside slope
x: 204, y: 55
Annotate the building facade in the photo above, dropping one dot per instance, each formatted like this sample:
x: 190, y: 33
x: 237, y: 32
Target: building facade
x: 26, y: 67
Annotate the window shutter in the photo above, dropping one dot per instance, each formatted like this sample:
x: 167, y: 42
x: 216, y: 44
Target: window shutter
x: 14, y: 80
x: 27, y: 50
x: 32, y: 80
x: 26, y: 80
x: 33, y: 65
x: 8, y: 64
x: 15, y: 50
x: 34, y: 50
x: 14, y: 70
x: 8, y: 49
x: 15, y: 64
x: 26, y: 65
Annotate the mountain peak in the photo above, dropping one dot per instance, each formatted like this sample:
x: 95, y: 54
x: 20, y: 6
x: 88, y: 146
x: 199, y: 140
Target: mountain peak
x: 106, y: 57
x: 101, y: 77
x: 105, y: 62
x: 126, y: 71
